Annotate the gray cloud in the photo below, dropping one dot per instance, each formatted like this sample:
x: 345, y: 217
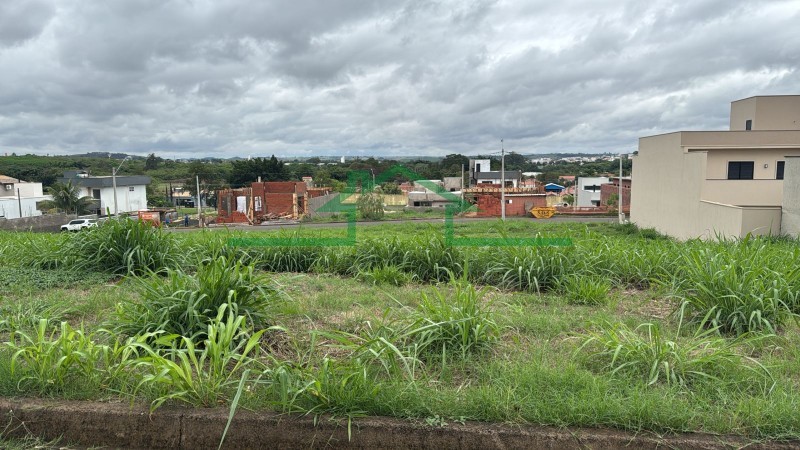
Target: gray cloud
x: 22, y: 20
x: 234, y: 78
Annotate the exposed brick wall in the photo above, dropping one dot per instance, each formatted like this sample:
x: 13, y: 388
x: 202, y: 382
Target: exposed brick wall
x: 607, y: 189
x: 279, y: 204
x: 489, y: 205
x: 281, y: 187
x: 226, y: 205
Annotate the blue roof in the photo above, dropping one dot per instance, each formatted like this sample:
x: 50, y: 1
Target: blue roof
x: 554, y: 187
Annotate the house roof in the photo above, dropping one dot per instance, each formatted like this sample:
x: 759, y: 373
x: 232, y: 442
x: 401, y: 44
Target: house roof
x: 105, y: 181
x: 553, y: 186
x: 6, y: 179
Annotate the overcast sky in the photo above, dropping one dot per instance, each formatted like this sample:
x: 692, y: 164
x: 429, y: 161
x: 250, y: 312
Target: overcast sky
x: 223, y: 78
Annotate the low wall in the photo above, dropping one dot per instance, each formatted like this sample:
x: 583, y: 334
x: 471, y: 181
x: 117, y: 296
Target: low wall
x: 48, y: 222
x: 737, y: 221
x: 118, y: 425
x: 315, y: 203
x: 388, y: 199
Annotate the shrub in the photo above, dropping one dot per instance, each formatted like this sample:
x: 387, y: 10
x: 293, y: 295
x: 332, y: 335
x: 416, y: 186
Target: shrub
x: 584, y: 290
x: 370, y: 206
x: 186, y: 304
x: 121, y: 247
x: 385, y: 275
x: 201, y: 376
x: 452, y: 324
x: 522, y: 268
x: 735, y: 287
x: 645, y: 353
x: 53, y: 360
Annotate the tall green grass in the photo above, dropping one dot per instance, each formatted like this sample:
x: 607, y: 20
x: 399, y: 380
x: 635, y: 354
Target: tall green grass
x: 120, y: 247
x: 741, y: 287
x: 646, y: 353
x: 185, y: 304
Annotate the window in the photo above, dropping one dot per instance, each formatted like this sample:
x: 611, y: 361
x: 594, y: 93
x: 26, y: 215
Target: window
x: 96, y: 193
x: 130, y: 188
x: 748, y: 124
x: 779, y: 170
x: 591, y: 188
x: 740, y: 170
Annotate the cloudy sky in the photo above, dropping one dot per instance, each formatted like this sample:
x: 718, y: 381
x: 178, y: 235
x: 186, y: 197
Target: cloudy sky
x: 227, y: 78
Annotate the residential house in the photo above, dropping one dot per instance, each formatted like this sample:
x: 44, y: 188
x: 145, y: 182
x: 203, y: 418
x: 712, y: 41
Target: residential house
x: 452, y: 184
x: 729, y: 183
x: 553, y: 188
x: 431, y: 193
x: 480, y: 173
x: 19, y: 198
x: 131, y: 195
x: 588, y: 191
x: 512, y: 178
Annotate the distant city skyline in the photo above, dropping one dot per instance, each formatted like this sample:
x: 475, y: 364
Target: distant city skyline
x: 186, y: 79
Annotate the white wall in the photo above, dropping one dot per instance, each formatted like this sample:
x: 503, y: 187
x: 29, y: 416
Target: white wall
x: 584, y: 197
x: 29, y: 189
x: 485, y: 165
x: 480, y: 181
x: 127, y: 201
x: 9, y: 207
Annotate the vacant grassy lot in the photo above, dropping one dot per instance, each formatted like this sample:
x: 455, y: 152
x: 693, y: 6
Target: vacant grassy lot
x: 622, y: 329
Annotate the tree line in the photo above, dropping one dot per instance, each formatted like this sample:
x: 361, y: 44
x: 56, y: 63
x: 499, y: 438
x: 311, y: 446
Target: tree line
x: 215, y: 174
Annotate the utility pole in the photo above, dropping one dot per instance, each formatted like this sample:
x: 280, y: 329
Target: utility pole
x: 461, y: 206
x: 619, y: 202
x: 502, y: 181
x: 19, y: 203
x: 199, y: 205
x: 114, y: 185
x: 114, y: 180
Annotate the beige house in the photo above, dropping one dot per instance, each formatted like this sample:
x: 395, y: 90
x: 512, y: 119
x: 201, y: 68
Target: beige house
x: 706, y: 183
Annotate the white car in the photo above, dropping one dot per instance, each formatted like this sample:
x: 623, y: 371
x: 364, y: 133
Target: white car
x: 79, y: 224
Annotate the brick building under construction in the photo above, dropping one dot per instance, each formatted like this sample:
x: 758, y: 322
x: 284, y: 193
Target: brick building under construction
x: 264, y: 201
x: 519, y: 200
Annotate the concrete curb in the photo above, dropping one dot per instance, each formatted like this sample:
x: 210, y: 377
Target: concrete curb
x: 119, y: 425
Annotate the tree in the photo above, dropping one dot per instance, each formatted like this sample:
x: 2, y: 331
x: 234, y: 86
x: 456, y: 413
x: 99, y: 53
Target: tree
x: 67, y: 198
x: 246, y: 171
x: 152, y: 161
x: 515, y: 161
x: 391, y: 189
x: 212, y: 179
x: 612, y: 201
x: 370, y: 205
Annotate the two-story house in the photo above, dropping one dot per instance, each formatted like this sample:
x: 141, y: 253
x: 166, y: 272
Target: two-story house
x: 707, y: 183
x: 131, y: 191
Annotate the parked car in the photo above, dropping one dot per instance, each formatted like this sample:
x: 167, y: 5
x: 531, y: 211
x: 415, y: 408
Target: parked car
x: 79, y: 224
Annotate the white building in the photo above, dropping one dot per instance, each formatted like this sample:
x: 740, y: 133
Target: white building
x: 480, y: 172
x: 588, y: 193
x: 19, y: 198
x: 131, y: 191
